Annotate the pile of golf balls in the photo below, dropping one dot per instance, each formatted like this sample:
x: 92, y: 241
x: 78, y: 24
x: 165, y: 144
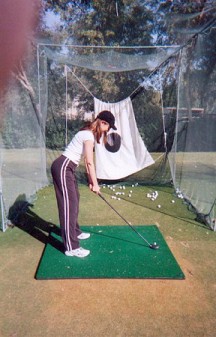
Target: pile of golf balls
x: 153, y: 196
x: 123, y: 191
x: 179, y: 194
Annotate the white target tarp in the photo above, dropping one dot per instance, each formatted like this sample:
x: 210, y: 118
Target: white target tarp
x: 132, y: 156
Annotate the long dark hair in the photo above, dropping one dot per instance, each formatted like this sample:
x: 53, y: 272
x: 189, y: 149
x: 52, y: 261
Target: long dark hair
x: 96, y: 129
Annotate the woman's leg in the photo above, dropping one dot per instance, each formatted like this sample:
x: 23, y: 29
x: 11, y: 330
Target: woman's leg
x: 67, y: 196
x: 78, y: 231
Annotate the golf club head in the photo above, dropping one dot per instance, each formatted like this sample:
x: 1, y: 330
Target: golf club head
x: 154, y: 246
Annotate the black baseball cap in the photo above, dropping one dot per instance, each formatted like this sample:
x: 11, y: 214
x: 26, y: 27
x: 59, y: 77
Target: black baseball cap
x: 108, y: 117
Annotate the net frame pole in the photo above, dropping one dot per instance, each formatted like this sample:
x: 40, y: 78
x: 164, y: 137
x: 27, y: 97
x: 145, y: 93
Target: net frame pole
x: 3, y: 220
x: 66, y: 104
x: 174, y: 147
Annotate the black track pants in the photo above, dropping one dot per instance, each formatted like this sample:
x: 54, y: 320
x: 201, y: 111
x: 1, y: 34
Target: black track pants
x: 67, y: 196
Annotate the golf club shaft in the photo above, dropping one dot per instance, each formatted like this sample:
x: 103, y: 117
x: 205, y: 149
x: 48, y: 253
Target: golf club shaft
x: 128, y: 223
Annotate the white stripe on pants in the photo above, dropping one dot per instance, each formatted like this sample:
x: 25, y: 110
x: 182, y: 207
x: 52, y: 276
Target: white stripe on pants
x: 67, y: 196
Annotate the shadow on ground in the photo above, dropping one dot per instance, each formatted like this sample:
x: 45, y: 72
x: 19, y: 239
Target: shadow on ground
x: 21, y: 215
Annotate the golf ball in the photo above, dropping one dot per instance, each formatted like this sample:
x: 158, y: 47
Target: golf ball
x: 159, y: 206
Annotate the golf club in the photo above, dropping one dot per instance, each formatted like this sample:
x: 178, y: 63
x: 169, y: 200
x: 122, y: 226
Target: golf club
x: 151, y: 245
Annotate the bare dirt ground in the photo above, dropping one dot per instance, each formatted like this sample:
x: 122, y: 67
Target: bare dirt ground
x: 104, y: 307
x: 109, y: 307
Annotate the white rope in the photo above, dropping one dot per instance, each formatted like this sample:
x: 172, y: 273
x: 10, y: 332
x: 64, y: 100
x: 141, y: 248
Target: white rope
x: 153, y: 71
x: 162, y: 155
x: 117, y: 14
x: 78, y: 79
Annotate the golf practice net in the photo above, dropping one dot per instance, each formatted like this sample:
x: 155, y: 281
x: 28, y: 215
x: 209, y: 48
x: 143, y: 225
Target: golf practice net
x: 172, y: 92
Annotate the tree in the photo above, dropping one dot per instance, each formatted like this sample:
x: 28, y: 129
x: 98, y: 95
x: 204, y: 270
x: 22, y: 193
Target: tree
x: 114, y: 23
x: 23, y: 79
x: 100, y: 23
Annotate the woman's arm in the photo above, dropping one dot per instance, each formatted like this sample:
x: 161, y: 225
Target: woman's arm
x: 90, y: 167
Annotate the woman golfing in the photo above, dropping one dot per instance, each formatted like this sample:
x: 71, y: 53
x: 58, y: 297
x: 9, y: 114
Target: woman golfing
x: 65, y: 184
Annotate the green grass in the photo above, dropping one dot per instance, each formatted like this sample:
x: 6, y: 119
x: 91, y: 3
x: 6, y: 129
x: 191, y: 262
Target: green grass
x: 174, y: 219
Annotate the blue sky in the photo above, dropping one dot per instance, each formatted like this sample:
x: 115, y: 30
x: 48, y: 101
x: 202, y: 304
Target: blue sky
x: 51, y: 19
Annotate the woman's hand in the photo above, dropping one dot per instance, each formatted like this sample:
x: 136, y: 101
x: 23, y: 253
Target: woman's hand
x: 95, y: 189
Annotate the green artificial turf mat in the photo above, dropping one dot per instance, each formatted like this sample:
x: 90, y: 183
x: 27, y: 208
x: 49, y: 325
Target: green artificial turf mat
x: 116, y: 252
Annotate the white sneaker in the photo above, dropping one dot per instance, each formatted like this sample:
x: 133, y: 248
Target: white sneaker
x: 79, y: 252
x: 83, y: 236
